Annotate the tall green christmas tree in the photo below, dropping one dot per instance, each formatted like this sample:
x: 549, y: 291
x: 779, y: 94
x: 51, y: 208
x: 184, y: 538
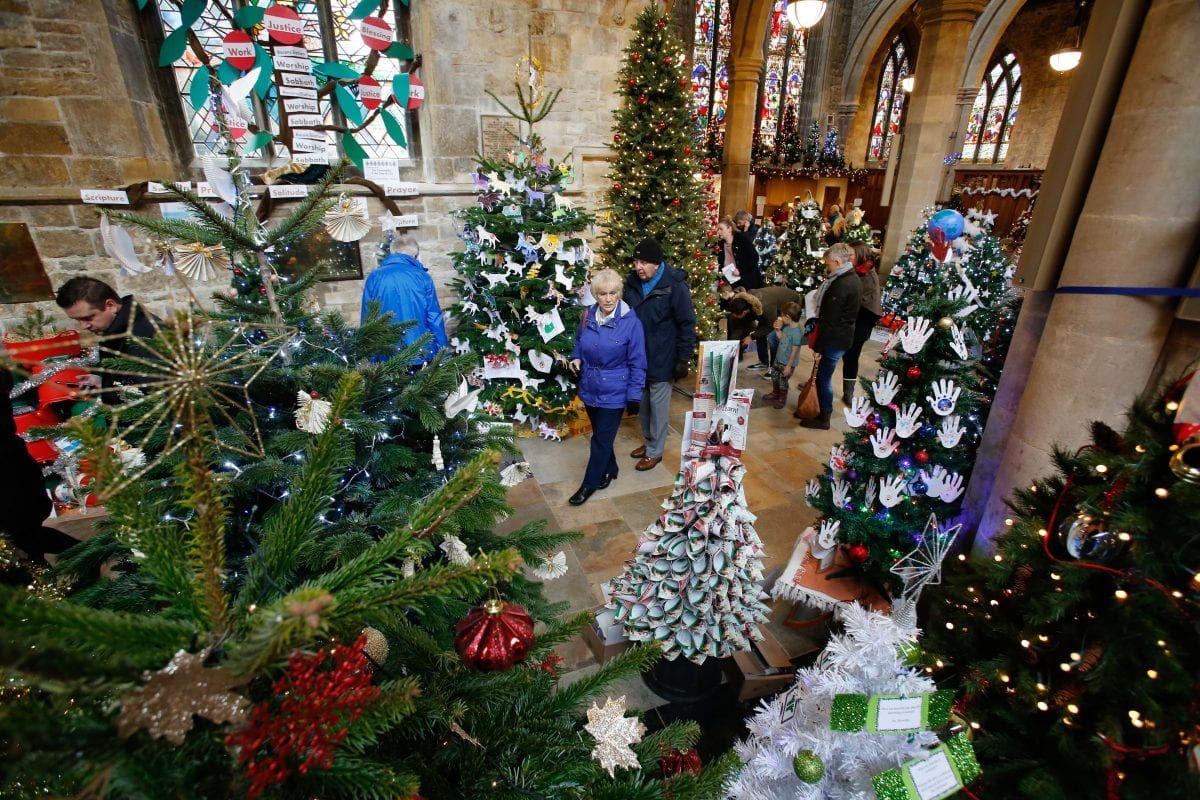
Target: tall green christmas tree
x: 520, y: 278
x: 812, y: 145
x: 655, y: 189
x: 789, y: 144
x: 799, y: 263
x: 1077, y: 641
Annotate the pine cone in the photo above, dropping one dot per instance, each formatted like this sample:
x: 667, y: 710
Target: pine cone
x: 1091, y: 658
x: 1107, y: 439
x: 1021, y: 578
x: 1068, y: 694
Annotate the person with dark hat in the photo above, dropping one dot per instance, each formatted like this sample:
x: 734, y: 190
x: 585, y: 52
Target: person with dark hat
x: 659, y: 295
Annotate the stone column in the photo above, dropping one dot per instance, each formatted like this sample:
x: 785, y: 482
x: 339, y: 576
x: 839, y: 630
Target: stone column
x: 816, y: 68
x: 1098, y: 352
x: 845, y: 118
x: 963, y: 103
x: 945, y: 32
x: 739, y: 132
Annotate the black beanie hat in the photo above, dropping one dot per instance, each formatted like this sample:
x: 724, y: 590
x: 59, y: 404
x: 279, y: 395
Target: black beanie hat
x: 648, y: 249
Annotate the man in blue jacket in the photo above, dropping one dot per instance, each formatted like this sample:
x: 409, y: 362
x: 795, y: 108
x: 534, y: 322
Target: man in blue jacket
x: 659, y: 295
x: 404, y: 289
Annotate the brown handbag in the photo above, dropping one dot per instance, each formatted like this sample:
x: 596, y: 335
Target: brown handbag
x: 808, y: 406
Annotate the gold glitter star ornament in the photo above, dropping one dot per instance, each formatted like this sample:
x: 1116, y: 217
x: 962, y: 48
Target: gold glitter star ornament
x: 165, y: 705
x: 614, y: 734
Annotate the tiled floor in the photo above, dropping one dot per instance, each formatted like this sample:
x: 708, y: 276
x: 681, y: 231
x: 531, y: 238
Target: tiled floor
x: 780, y: 458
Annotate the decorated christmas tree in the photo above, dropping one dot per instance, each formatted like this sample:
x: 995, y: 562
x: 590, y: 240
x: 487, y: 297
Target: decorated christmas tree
x: 1077, y: 641
x: 695, y: 583
x: 857, y: 229
x: 831, y: 152
x: 855, y: 724
x: 655, y: 189
x: 799, y: 264
x: 789, y: 145
x: 812, y: 145
x: 520, y: 278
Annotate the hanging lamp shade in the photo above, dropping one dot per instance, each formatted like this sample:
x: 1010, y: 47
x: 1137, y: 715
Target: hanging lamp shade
x: 805, y: 13
x: 1066, y: 59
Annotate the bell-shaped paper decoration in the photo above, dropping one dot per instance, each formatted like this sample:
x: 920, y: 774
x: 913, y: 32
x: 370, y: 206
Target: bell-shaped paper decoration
x: 200, y: 261
x: 312, y: 415
x: 348, y: 220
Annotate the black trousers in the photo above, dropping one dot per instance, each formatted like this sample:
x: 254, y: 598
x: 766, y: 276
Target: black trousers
x: 862, y: 332
x: 601, y: 461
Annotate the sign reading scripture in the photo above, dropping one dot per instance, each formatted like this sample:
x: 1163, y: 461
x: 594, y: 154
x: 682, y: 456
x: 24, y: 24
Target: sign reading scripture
x: 104, y: 197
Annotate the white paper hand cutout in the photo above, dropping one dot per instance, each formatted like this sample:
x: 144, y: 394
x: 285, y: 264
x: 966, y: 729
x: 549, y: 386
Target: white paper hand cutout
x: 957, y: 343
x: 858, y: 412
x: 872, y: 491
x: 824, y: 545
x: 950, y: 432
x: 935, y: 479
x: 884, y: 442
x: 885, y: 387
x: 906, y: 420
x: 838, y: 456
x: 951, y: 488
x: 891, y: 490
x: 915, y: 334
x: 841, y: 490
x: 945, y: 395
x: 811, y: 489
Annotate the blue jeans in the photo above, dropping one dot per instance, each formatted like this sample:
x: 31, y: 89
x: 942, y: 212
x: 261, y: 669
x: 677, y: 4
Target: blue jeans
x: 601, y: 461
x: 825, y: 368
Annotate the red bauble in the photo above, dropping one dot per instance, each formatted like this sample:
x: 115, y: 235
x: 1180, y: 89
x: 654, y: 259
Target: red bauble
x: 687, y: 150
x: 666, y: 59
x: 616, y: 138
x: 857, y: 553
x: 642, y: 99
x: 636, y: 56
x: 632, y: 82
x: 871, y: 425
x: 677, y: 762
x: 637, y: 206
x: 921, y: 457
x: 616, y: 187
x: 697, y: 254
x: 313, y: 395
x: 494, y: 636
x: 662, y: 23
x: 650, y: 156
x: 914, y: 372
x: 262, y: 290
x: 675, y: 202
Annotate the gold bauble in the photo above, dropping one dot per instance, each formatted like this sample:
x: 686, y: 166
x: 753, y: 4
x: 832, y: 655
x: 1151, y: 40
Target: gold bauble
x: 1185, y: 462
x: 944, y: 323
x: 376, y: 646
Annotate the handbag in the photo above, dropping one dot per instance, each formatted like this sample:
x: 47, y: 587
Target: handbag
x: 808, y: 406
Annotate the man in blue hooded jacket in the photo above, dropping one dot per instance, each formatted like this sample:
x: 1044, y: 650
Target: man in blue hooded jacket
x: 404, y: 289
x: 659, y: 295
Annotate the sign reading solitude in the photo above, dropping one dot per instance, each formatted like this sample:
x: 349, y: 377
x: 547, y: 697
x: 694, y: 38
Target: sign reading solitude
x: 497, y: 136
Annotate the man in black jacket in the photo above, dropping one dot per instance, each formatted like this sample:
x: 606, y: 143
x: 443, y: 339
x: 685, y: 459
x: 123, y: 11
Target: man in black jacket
x: 120, y: 321
x: 659, y: 295
x: 838, y: 301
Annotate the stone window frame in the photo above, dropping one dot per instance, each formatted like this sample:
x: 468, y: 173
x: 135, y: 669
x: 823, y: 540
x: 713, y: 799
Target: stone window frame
x: 173, y: 100
x: 1008, y: 64
x: 900, y: 53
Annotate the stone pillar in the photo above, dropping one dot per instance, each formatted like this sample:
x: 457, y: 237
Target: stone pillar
x: 945, y: 32
x: 845, y: 118
x: 816, y: 68
x: 739, y: 132
x: 1098, y: 352
x: 963, y: 103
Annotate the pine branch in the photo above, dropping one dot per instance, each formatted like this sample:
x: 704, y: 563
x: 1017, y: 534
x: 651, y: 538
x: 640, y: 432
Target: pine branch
x: 213, y: 219
x: 631, y: 662
x: 309, y: 211
x: 183, y: 230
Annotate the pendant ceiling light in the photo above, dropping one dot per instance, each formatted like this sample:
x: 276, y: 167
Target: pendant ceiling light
x: 1067, y: 57
x: 805, y: 13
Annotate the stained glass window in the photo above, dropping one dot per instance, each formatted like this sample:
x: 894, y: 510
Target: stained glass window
x: 710, y: 73
x: 784, y: 75
x: 889, y: 100
x: 329, y: 35
x: 989, y: 128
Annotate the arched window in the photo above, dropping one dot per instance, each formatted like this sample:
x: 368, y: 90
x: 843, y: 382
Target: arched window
x: 989, y: 128
x: 783, y: 78
x: 889, y: 100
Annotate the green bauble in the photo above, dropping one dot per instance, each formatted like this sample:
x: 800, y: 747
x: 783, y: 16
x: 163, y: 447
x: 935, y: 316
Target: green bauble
x: 808, y: 766
x: 910, y: 652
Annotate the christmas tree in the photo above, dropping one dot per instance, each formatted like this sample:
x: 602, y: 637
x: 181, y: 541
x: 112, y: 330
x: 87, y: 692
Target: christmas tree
x: 520, y: 277
x: 1077, y: 640
x: 857, y: 229
x: 655, y: 189
x: 812, y: 145
x: 909, y: 451
x: 695, y: 584
x: 800, y: 264
x: 789, y: 146
x: 831, y: 152
x: 820, y: 738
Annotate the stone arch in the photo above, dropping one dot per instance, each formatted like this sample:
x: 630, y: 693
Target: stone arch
x: 867, y: 41
x: 986, y: 34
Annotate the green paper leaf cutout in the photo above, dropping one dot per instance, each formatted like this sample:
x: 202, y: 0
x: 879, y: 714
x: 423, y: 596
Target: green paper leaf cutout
x: 190, y: 11
x: 198, y: 91
x: 399, y: 51
x: 400, y: 84
x: 248, y: 16
x: 257, y: 142
x: 336, y: 69
x: 227, y: 73
x: 349, y: 104
x: 173, y: 47
x: 353, y: 149
x: 394, y: 129
x: 364, y: 9
x: 262, y: 60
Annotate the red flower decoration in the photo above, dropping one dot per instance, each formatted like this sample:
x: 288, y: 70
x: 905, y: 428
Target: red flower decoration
x: 301, y: 727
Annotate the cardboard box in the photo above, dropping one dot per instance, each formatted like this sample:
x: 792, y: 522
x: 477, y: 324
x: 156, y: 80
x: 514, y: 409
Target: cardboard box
x: 764, y: 669
x: 604, y: 637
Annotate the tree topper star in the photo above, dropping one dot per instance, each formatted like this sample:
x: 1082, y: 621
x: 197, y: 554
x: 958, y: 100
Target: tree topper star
x: 923, y: 566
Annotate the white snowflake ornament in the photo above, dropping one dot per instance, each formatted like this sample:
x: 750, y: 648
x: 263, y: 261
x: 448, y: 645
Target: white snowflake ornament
x: 614, y: 733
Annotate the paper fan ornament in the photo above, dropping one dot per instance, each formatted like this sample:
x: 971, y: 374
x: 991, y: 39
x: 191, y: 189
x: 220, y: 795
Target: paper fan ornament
x: 200, y: 261
x: 312, y: 414
x: 348, y: 220
x: 551, y: 567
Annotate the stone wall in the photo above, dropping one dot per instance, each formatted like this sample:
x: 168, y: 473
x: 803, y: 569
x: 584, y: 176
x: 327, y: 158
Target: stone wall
x: 68, y: 121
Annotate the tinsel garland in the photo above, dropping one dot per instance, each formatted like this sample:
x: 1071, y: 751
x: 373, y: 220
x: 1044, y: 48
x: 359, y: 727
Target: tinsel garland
x: 90, y: 358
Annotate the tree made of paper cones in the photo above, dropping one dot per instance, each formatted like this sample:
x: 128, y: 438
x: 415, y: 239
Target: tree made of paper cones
x: 909, y: 451
x: 655, y: 189
x: 822, y: 739
x: 799, y: 263
x: 519, y: 281
x: 1077, y: 641
x: 695, y: 582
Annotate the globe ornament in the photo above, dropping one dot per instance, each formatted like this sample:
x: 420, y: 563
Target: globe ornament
x: 949, y: 222
x: 494, y: 636
x: 1087, y: 538
x: 808, y: 766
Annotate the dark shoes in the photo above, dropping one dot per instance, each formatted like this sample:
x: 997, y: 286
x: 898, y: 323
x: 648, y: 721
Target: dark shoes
x: 647, y: 463
x: 820, y: 423
x: 581, y: 496
x: 606, y: 481
x: 639, y: 453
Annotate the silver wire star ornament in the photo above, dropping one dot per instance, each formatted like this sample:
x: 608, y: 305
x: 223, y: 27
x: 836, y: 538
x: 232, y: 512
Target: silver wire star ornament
x: 614, y: 733
x: 923, y: 566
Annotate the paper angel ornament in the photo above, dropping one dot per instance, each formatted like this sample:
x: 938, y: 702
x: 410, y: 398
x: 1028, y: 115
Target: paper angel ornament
x: 439, y: 463
x: 312, y: 414
x: 515, y: 473
x: 218, y: 177
x: 551, y: 567
x: 119, y: 245
x: 460, y: 400
x: 348, y: 220
x: 200, y: 261
x: 455, y: 551
x: 164, y: 257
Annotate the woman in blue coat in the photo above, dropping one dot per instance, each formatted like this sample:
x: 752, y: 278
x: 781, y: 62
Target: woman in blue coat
x: 610, y: 357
